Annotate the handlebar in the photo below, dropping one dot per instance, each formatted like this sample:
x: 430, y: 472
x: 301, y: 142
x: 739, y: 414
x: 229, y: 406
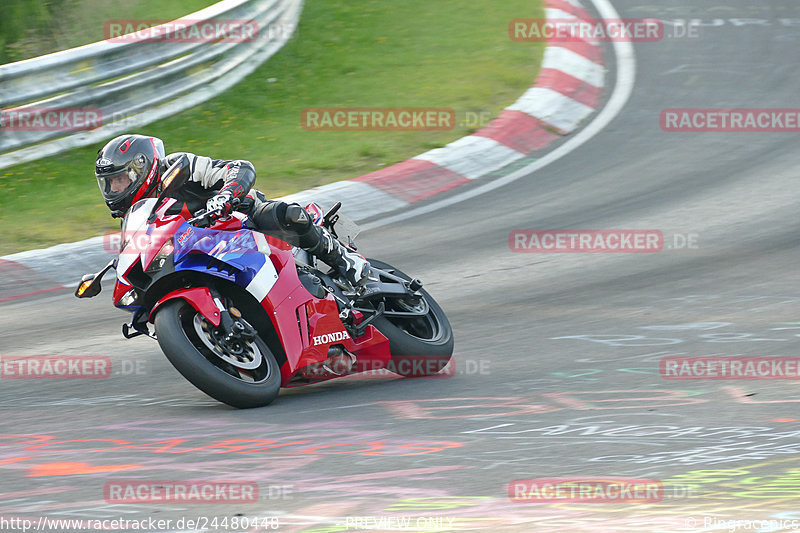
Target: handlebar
x: 204, y: 219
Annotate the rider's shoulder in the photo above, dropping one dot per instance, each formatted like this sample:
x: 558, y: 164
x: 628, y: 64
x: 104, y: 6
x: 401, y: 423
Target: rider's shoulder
x: 171, y: 158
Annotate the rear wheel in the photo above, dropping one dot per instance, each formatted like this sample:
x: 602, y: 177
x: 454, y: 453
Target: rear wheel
x: 242, y: 374
x: 420, y: 336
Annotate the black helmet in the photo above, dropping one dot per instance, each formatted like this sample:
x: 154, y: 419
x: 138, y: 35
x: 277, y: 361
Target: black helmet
x: 128, y: 169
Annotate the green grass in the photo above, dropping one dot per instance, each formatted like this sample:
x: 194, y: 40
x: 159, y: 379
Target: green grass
x: 372, y: 53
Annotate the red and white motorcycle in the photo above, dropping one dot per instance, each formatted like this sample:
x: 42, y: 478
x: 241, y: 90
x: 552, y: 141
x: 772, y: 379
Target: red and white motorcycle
x: 240, y: 314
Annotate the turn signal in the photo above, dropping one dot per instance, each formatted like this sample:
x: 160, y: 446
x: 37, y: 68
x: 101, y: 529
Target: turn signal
x: 85, y: 285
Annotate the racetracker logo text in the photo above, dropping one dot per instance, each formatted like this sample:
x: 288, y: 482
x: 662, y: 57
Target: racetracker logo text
x: 729, y: 368
x: 578, y: 30
x: 181, y: 31
x: 730, y: 120
x: 378, y: 119
x: 56, y: 367
x: 584, y: 241
x: 330, y: 337
x: 588, y: 490
x: 180, y: 492
x: 51, y: 119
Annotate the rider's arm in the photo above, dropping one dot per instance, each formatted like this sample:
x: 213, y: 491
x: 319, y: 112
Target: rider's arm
x: 234, y: 176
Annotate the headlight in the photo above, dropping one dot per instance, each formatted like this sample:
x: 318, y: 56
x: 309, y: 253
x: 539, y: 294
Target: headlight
x: 161, y: 257
x: 129, y: 298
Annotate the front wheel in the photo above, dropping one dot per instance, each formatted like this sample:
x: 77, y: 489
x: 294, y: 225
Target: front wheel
x: 420, y: 336
x: 243, y: 376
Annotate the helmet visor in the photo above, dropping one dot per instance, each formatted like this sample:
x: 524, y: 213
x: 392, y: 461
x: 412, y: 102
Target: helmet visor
x: 117, y: 184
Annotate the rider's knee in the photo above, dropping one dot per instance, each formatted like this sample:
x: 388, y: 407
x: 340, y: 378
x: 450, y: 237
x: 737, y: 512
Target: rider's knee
x: 281, y: 216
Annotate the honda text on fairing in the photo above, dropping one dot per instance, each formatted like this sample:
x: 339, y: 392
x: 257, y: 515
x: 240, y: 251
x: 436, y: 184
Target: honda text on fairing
x: 241, y: 314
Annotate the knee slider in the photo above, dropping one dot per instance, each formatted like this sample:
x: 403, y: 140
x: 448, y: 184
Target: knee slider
x: 296, y: 217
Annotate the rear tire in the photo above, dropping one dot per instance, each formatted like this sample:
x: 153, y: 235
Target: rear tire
x: 175, y: 325
x: 420, y: 347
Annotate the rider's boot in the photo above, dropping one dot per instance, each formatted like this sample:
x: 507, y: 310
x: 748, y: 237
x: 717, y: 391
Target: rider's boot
x: 352, y: 266
x: 293, y: 224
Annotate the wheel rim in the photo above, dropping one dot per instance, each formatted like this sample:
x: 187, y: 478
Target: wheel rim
x: 426, y: 328
x: 248, y: 363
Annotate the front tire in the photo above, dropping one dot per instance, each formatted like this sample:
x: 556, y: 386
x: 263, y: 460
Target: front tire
x: 422, y: 346
x: 253, y: 382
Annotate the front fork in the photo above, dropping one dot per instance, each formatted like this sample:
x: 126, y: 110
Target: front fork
x: 234, y: 327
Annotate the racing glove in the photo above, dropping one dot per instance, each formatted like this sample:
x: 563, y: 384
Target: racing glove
x: 221, y: 202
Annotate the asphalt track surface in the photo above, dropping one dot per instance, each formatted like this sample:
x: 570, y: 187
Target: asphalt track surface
x: 557, y: 355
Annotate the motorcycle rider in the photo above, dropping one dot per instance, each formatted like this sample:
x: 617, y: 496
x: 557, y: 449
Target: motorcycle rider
x: 130, y: 167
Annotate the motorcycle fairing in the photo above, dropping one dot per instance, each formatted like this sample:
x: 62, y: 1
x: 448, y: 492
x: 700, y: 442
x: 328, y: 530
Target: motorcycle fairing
x: 324, y: 330
x: 262, y: 265
x: 296, y: 315
x: 198, y: 297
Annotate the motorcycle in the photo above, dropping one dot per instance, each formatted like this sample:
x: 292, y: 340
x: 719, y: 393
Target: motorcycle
x: 241, y: 314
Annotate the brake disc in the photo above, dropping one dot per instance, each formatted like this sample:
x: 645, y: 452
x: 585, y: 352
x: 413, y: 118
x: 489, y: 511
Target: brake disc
x: 248, y: 358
